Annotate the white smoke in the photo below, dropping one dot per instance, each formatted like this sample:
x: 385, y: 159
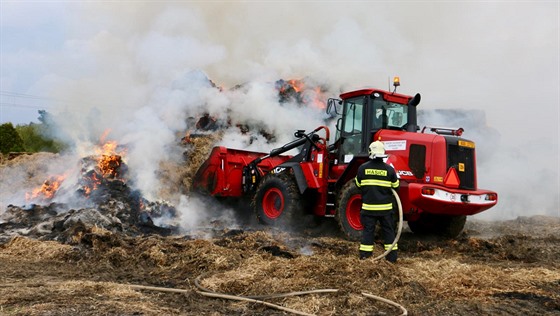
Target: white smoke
x: 140, y: 69
x: 518, y: 173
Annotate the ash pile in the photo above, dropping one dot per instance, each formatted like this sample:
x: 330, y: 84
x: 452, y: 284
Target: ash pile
x: 106, y: 202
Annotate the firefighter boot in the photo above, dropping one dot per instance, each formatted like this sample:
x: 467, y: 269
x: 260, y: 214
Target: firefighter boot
x: 365, y: 254
x: 392, y: 256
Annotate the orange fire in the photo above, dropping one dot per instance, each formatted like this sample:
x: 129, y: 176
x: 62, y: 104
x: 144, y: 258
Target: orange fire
x: 306, y: 94
x: 91, y: 183
x: 106, y: 164
x: 47, y: 190
x: 318, y: 101
x: 314, y: 97
x: 109, y: 165
x: 296, y: 84
x: 110, y: 160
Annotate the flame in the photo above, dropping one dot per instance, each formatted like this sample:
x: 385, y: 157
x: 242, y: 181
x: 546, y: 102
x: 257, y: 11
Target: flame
x: 109, y: 165
x: 314, y: 97
x: 107, y: 148
x: 47, y: 190
x: 302, y: 93
x: 91, y: 183
x: 318, y: 100
x: 106, y: 164
x: 296, y: 84
x: 110, y: 159
x: 287, y: 86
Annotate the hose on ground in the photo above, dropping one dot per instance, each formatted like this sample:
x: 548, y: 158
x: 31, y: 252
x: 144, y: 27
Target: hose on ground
x: 384, y: 300
x: 250, y: 300
x: 203, y: 289
x: 259, y: 299
x: 208, y: 293
x: 262, y: 297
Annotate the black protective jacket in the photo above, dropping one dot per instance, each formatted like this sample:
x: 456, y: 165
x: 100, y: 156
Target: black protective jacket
x: 376, y: 178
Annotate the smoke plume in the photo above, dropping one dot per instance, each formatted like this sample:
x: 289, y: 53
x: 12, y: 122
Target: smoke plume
x: 140, y: 69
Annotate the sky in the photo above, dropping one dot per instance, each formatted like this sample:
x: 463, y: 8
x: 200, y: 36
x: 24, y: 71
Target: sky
x: 136, y: 67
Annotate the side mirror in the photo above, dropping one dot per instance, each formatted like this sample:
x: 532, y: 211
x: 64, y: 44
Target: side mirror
x: 334, y: 104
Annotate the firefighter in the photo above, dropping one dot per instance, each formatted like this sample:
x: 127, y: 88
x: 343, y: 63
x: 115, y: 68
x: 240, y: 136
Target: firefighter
x: 375, y: 178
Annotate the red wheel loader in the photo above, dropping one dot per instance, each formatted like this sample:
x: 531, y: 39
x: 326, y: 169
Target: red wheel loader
x: 436, y: 167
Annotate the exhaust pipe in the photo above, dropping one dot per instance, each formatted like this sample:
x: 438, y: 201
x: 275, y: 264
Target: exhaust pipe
x: 412, y: 125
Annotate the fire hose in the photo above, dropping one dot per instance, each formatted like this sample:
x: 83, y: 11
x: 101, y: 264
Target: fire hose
x: 260, y: 299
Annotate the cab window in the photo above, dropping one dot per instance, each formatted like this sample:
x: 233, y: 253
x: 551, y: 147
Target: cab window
x: 352, y: 127
x: 389, y: 115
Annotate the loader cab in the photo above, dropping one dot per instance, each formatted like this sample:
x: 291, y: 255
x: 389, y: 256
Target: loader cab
x: 362, y: 114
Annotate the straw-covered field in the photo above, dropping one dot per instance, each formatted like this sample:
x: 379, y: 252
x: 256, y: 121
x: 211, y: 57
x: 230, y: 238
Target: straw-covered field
x: 494, y: 268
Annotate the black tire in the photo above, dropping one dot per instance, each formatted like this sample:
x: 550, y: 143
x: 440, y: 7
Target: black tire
x: 277, y: 200
x: 348, y: 209
x: 440, y: 225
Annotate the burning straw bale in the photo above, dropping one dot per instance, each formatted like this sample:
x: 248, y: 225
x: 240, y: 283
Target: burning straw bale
x: 101, y: 188
x: 26, y: 171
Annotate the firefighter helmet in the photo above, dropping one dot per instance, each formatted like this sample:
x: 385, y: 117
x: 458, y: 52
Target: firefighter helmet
x: 377, y: 150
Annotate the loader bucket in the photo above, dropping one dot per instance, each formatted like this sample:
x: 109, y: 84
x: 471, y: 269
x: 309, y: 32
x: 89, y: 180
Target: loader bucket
x: 222, y: 173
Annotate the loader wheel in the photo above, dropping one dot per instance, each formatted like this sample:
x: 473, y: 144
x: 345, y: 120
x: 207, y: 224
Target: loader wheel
x: 348, y: 211
x: 277, y: 199
x: 440, y: 225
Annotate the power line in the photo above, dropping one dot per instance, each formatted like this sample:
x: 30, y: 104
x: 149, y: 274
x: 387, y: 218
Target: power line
x: 11, y: 94
x: 22, y: 105
x: 23, y: 95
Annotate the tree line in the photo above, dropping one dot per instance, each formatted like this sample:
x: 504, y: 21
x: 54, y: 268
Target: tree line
x: 32, y: 137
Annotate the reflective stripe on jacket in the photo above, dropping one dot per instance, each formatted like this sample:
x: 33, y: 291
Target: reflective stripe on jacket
x: 376, y: 178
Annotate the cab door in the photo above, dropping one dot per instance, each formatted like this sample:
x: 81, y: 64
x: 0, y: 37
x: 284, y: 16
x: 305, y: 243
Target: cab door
x: 352, y: 129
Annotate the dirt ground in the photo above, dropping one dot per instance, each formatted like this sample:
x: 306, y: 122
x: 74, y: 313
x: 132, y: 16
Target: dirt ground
x: 493, y: 268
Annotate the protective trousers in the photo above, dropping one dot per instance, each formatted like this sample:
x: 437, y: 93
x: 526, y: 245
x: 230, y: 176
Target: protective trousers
x: 369, y: 221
